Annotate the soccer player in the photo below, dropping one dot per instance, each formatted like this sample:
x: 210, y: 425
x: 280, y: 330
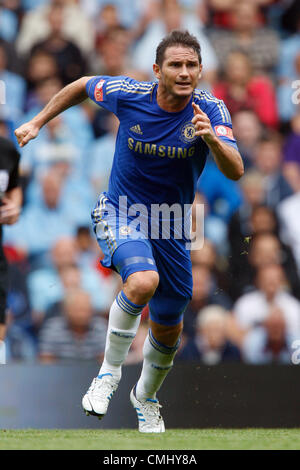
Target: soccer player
x: 166, y: 131
x: 10, y: 207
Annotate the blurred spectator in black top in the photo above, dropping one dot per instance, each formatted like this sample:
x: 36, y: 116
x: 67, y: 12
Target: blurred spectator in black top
x: 211, y: 343
x: 40, y: 66
x: 35, y: 26
x: 13, y: 62
x: 290, y: 20
x: 70, y: 61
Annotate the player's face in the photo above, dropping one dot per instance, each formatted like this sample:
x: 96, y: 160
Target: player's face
x: 180, y: 71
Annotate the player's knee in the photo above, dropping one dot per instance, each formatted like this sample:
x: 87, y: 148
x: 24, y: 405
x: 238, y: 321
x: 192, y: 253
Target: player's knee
x: 141, y: 286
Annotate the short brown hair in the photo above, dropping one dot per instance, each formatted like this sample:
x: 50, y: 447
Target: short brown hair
x: 176, y: 38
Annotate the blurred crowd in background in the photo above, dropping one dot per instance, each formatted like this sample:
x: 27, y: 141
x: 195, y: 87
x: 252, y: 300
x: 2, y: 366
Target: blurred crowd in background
x: 246, y: 301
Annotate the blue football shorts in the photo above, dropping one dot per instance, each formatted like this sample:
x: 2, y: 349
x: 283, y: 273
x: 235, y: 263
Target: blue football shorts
x: 127, y: 252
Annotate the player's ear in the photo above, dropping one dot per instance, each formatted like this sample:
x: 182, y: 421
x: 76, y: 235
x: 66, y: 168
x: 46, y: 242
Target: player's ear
x: 200, y: 71
x: 156, y: 71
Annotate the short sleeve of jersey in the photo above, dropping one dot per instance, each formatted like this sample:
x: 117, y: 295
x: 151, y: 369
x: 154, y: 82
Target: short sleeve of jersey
x: 105, y: 90
x: 219, y: 117
x: 221, y: 123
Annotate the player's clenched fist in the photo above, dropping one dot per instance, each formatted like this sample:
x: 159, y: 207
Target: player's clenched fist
x: 26, y: 132
x: 202, y: 125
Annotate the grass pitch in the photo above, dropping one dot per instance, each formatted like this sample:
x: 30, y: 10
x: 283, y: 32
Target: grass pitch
x: 172, y: 439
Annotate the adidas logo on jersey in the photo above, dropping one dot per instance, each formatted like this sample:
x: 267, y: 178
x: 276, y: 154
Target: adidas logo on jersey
x: 137, y: 129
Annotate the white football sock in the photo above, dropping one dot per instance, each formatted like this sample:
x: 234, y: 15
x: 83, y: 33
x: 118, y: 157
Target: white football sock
x: 158, y: 361
x: 124, y: 320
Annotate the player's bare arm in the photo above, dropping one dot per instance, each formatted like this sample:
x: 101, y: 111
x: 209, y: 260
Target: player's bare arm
x: 70, y: 95
x: 228, y: 159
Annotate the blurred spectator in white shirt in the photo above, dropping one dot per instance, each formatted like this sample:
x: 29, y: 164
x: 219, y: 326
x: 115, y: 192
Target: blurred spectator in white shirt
x: 252, y: 309
x: 35, y: 26
x: 270, y: 342
x: 288, y: 212
x: 211, y: 344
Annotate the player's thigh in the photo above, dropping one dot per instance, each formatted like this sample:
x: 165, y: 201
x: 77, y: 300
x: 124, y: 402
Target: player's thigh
x: 126, y: 252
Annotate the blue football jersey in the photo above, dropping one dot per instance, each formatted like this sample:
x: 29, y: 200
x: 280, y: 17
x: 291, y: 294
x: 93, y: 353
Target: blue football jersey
x: 158, y: 159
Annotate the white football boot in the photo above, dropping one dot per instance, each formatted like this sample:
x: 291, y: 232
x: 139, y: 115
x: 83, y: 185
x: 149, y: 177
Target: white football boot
x: 148, y: 414
x: 96, y: 400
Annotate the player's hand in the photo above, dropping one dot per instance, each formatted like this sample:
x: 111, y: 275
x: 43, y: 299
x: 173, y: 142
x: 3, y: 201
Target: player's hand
x: 202, y: 125
x: 26, y: 132
x: 9, y: 211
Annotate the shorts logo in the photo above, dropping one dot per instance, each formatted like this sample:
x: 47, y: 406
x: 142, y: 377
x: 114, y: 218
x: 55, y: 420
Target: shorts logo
x: 224, y: 131
x: 187, y: 133
x: 99, y: 90
x: 125, y: 230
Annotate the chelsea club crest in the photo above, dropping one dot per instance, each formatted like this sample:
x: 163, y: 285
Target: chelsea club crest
x: 187, y: 133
